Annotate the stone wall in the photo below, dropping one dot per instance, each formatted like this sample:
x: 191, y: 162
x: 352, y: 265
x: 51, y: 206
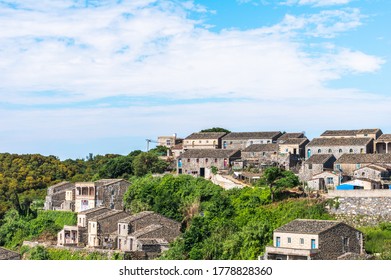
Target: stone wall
x: 361, y: 207
x: 111, y: 195
x: 331, y: 242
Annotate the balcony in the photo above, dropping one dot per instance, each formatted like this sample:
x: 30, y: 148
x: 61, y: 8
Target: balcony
x: 291, y: 251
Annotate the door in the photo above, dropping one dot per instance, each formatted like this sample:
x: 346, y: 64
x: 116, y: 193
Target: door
x: 278, y: 241
x: 202, y: 172
x: 313, y: 244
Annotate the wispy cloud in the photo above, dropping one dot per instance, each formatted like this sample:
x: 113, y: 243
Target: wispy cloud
x: 93, y: 68
x: 318, y: 3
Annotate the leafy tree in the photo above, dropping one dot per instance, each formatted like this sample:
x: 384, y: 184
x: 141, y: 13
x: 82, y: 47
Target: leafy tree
x: 278, y: 179
x: 145, y: 163
x: 216, y: 129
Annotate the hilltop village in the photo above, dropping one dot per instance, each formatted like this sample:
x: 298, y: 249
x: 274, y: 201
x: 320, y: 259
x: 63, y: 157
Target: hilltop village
x: 352, y: 168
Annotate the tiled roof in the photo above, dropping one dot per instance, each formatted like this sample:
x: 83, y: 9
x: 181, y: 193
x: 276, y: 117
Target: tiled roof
x: 177, y: 147
x: 252, y: 135
x: 108, y: 181
x: 93, y: 210
x: 319, y: 159
x: 351, y: 133
x: 262, y: 148
x: 206, y: 135
x: 384, y: 137
x: 368, y: 130
x: 106, y: 215
x: 136, y: 217
x: 286, y: 136
x: 376, y: 167
x: 6, y: 254
x: 209, y: 153
x: 340, y: 132
x: 146, y: 230
x: 361, y: 141
x: 307, y: 226
x: 292, y: 141
x: 364, y: 158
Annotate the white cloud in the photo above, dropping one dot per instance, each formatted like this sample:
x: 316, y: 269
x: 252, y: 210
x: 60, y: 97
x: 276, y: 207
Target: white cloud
x: 325, y: 24
x: 52, y: 53
x: 318, y: 3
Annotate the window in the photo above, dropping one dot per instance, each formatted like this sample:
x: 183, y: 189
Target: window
x: 308, y: 153
x: 206, y: 160
x: 330, y: 181
x: 350, y: 150
x: 302, y: 241
x: 358, y: 166
x: 310, y: 166
x: 330, y: 151
x: 124, y: 226
x: 215, y: 160
x: 119, y: 229
x: 207, y: 141
x: 289, y: 240
x: 286, y: 150
x: 188, y: 160
x: 361, y: 150
x: 362, y: 173
x: 197, y: 160
x: 345, y: 244
x: 319, y: 151
x: 338, y: 166
x: 340, y: 151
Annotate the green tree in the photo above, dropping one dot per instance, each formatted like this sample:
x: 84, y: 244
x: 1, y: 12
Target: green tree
x: 146, y: 163
x: 216, y: 129
x: 278, y: 179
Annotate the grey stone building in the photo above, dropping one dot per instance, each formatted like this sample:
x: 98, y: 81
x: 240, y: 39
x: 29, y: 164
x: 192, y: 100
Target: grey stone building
x: 339, y: 146
x: 373, y: 133
x: 102, y: 229
x: 60, y: 197
x: 258, y: 155
x: 203, y: 140
x: 241, y: 140
x: 197, y: 162
x: 6, y: 254
x: 383, y: 144
x: 348, y: 163
x: 146, y: 231
x: 315, y: 165
x: 290, y: 135
x: 293, y: 146
x: 78, y: 235
x: 373, y: 171
x: 82, y: 196
x: 303, y: 239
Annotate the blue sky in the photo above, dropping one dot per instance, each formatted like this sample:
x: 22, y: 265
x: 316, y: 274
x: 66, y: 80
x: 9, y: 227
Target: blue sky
x: 80, y: 77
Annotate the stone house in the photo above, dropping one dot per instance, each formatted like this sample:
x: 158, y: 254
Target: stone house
x: 102, y: 229
x: 78, y: 235
x: 290, y: 135
x: 257, y: 154
x: 373, y: 133
x: 360, y: 184
x: 339, y: 146
x: 60, y: 197
x: 197, y: 162
x: 293, y: 146
x: 203, y: 140
x: 316, y: 164
x: 169, y: 141
x: 241, y: 140
x: 146, y: 231
x: 348, y: 163
x: 383, y: 144
x: 82, y: 196
x: 6, y: 254
x: 373, y: 171
x: 303, y: 239
x: 326, y: 180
